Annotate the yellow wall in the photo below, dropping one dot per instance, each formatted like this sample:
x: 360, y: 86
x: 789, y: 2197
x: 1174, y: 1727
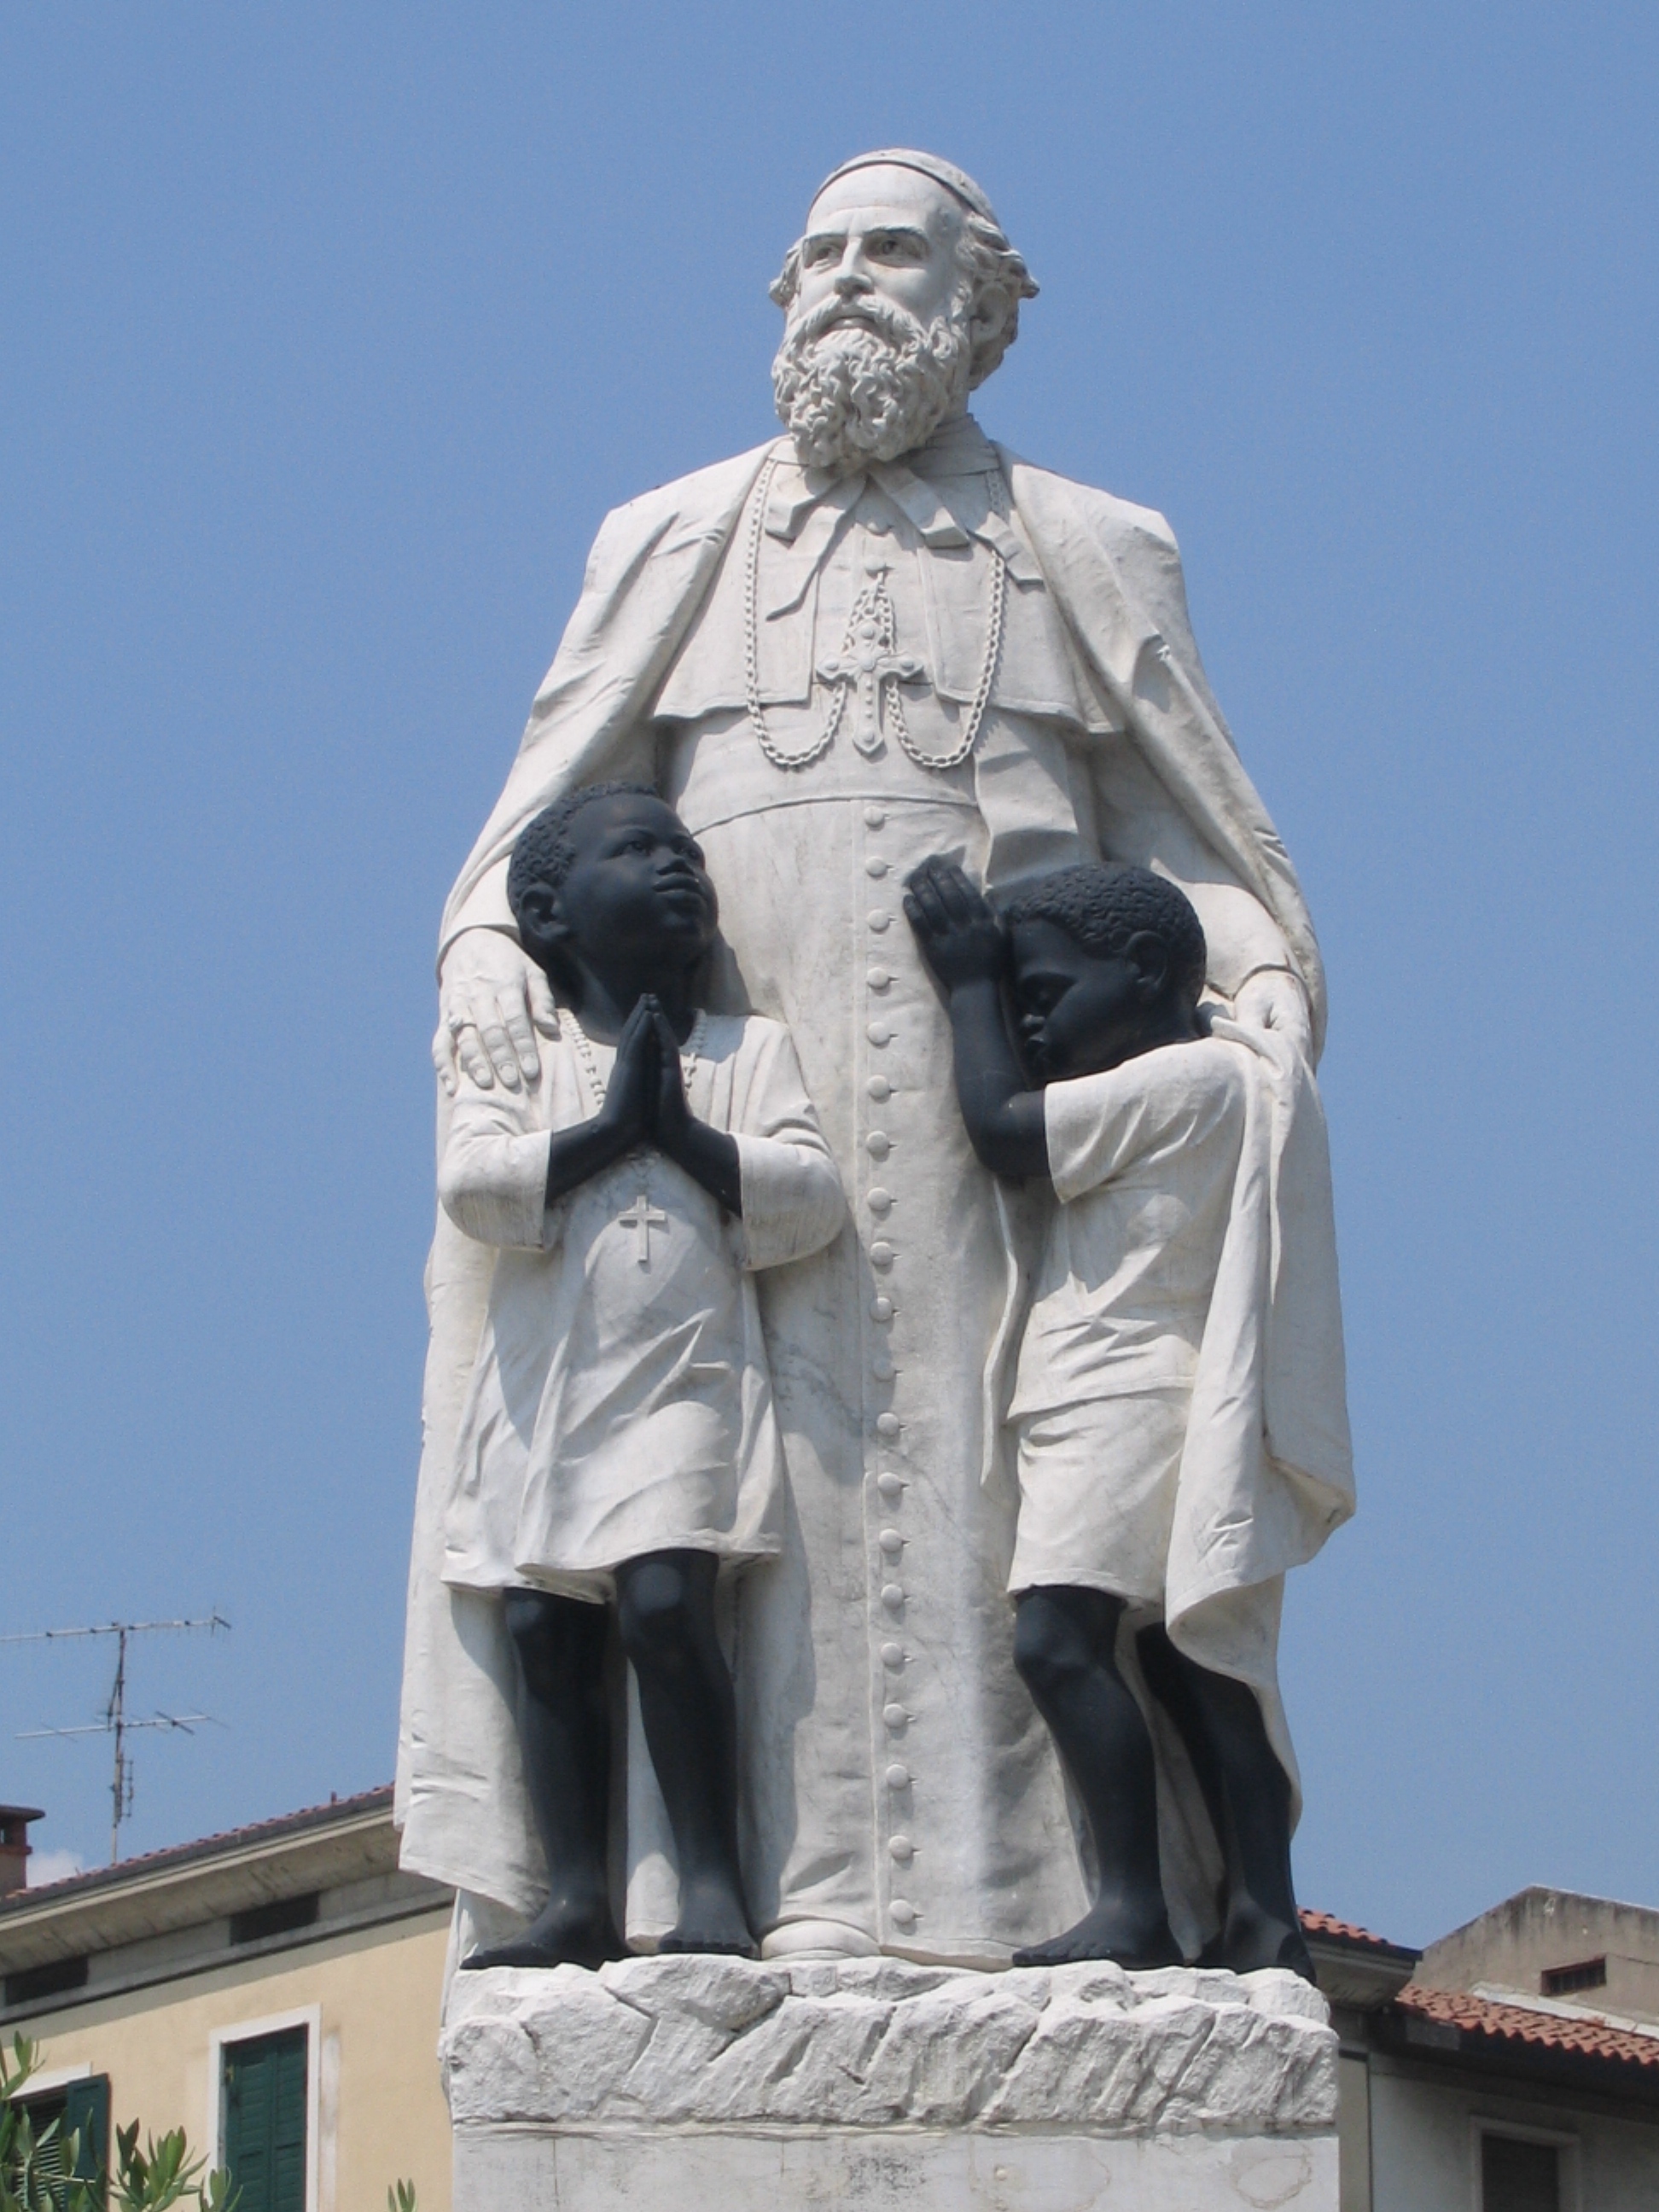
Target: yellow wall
x: 379, y: 1990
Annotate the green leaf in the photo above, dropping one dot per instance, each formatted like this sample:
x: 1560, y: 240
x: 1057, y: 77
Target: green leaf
x: 25, y: 2057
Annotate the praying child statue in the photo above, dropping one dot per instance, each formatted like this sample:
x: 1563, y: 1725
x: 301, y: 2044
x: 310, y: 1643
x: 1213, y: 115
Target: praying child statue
x: 1178, y: 1410
x: 617, y: 1450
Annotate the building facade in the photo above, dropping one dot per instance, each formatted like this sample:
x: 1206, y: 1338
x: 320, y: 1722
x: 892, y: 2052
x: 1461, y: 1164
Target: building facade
x: 1493, y: 2073
x: 273, y: 1991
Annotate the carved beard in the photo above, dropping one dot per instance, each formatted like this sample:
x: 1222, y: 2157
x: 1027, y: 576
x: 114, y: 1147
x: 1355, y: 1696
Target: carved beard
x: 851, y: 394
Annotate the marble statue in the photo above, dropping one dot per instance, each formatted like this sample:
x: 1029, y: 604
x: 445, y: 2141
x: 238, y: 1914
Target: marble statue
x: 1177, y: 1402
x: 875, y: 639
x: 617, y: 1442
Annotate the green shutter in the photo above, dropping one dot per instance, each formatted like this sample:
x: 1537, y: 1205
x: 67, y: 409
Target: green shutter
x: 86, y: 2115
x: 81, y: 2109
x: 265, y: 2121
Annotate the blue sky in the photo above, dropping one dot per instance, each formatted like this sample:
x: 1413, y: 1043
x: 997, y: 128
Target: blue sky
x: 332, y: 332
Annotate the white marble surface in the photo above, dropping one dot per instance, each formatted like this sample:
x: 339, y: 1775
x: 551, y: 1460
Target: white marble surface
x: 698, y: 2043
x: 877, y: 2083
x: 921, y: 2173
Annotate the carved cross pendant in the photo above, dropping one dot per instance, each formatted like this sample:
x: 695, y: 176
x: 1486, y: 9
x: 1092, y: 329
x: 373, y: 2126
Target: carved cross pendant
x: 642, y: 1218
x: 868, y: 660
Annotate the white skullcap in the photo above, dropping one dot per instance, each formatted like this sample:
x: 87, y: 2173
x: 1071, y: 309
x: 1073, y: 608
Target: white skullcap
x: 928, y: 165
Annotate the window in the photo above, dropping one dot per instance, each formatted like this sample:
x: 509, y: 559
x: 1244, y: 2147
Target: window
x: 53, y: 1977
x: 1516, y: 2176
x: 263, y: 2134
x: 282, y: 1917
x: 1562, y: 1981
x: 81, y: 2109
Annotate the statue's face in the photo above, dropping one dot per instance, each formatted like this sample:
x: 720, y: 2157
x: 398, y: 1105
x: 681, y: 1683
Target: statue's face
x: 878, y: 350
x: 1079, y: 1011
x: 636, y: 888
x: 883, y: 230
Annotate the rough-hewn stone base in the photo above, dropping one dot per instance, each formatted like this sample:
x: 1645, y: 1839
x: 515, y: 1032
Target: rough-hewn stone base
x: 688, y: 2083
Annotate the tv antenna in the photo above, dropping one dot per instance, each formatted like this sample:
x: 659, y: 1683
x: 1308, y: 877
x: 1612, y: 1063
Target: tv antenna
x: 115, y: 1722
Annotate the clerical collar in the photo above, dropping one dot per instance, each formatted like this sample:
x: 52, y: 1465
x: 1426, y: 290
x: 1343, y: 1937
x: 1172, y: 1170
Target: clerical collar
x: 957, y: 448
x: 920, y: 484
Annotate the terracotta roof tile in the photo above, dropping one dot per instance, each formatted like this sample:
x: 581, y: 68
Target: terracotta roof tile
x: 344, y: 1808
x: 1500, y: 2026
x: 1344, y: 1931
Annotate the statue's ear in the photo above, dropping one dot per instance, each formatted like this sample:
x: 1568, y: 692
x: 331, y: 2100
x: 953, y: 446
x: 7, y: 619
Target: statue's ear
x: 542, y: 915
x: 1149, y: 956
x: 989, y: 316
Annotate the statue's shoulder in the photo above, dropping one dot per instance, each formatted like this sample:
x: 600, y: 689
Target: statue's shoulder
x: 1119, y: 523
x: 706, y: 500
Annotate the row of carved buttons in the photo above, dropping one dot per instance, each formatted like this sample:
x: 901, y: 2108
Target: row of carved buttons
x: 889, y: 1484
x: 878, y: 1143
x: 900, y: 1849
x: 898, y: 1777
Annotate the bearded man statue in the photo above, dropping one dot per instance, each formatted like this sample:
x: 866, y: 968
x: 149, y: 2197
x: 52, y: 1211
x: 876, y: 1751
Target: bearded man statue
x: 877, y: 638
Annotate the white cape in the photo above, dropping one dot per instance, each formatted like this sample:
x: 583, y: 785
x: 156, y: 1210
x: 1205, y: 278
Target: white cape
x: 1267, y: 1471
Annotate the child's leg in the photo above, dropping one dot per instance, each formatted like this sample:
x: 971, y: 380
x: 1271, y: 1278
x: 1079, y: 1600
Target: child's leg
x: 1064, y: 1647
x: 564, y: 1740
x: 666, y: 1608
x: 1164, y: 1676
x: 1247, y: 1794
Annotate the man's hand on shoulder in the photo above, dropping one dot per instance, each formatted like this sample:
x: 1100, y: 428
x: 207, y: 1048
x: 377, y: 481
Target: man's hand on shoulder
x: 1273, y: 998
x: 491, y: 1002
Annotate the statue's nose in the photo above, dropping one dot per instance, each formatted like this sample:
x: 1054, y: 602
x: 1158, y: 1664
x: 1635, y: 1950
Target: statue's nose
x: 849, y: 282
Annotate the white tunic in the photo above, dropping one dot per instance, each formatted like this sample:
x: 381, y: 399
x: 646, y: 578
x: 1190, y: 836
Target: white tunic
x: 904, y: 1704
x: 620, y: 1402
x: 1145, y: 1161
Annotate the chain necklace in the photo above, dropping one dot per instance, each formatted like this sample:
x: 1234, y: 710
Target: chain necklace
x: 871, y: 613
x: 690, y: 1053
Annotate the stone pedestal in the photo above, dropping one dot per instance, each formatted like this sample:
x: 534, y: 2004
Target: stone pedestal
x: 681, y: 2084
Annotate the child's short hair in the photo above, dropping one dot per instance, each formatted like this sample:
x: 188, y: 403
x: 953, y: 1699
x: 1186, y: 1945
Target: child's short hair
x: 1100, y: 907
x: 546, y: 851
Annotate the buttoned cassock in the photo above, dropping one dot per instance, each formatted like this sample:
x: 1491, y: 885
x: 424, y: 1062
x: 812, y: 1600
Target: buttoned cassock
x: 899, y: 1789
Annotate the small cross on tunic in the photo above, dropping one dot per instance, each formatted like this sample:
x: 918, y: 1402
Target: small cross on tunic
x: 642, y: 1218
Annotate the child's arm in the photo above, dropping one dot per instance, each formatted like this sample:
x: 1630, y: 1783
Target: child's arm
x: 708, y: 1156
x: 963, y: 943
x: 501, y: 1169
x: 585, y: 1149
x: 793, y: 1202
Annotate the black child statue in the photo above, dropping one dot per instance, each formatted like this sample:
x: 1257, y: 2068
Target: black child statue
x: 617, y: 1447
x: 1154, y: 1499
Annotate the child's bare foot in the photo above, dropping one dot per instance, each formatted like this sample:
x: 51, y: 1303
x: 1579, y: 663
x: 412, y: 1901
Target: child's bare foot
x: 561, y: 1935
x: 1253, y: 1939
x: 712, y: 1918
x: 1112, y: 1931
